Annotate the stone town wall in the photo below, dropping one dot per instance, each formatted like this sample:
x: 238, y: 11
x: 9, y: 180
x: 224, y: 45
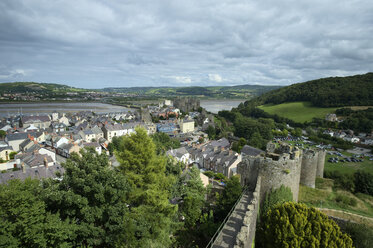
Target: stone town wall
x: 246, y: 235
x: 262, y: 174
x: 321, y: 163
x: 309, y: 167
x: 249, y: 171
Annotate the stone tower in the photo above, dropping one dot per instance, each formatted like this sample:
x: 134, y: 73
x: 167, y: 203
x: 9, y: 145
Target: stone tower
x: 282, y: 165
x: 274, y: 169
x: 309, y: 168
x: 320, y: 163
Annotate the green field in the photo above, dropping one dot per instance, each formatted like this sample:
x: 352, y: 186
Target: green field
x: 348, y: 167
x: 297, y: 111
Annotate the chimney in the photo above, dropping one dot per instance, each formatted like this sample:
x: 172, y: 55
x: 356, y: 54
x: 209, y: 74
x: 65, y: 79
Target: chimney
x: 29, y: 136
x: 45, y: 162
x: 23, y: 167
x: 230, y: 152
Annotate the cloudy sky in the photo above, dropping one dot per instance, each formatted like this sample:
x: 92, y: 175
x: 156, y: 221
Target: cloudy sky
x: 95, y: 44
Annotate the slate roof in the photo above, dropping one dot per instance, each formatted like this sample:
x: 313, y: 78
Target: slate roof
x: 91, y: 144
x: 88, y: 132
x: 17, y: 136
x: 65, y: 146
x: 177, y: 152
x: 2, y: 148
x: 251, y: 151
x: 34, y: 173
x: 30, y: 119
x: 36, y: 159
x: 115, y: 127
x: 25, y: 143
x: 223, y: 142
x: 96, y: 130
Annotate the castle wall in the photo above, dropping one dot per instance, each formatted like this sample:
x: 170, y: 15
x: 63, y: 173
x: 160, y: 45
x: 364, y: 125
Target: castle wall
x: 309, y: 168
x: 321, y: 163
x: 285, y: 172
x: 249, y: 171
x: 246, y: 235
x: 239, y: 230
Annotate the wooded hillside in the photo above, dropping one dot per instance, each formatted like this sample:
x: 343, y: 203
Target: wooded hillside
x: 325, y: 92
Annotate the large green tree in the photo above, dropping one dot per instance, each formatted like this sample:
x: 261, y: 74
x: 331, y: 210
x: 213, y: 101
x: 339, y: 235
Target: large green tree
x: 193, y: 195
x: 163, y: 142
x: 25, y: 222
x: 296, y: 225
x: 94, y: 196
x: 150, y: 208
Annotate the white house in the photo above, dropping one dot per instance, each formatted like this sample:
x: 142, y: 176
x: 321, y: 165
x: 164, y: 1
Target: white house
x: 181, y: 154
x: 48, y: 152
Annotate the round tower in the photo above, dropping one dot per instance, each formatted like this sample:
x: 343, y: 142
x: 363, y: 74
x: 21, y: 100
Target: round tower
x: 320, y: 163
x: 282, y: 170
x: 309, y: 168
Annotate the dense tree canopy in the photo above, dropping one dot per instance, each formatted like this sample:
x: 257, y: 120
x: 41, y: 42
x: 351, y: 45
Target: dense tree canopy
x: 295, y: 225
x: 94, y: 197
x: 163, y: 142
x: 25, y: 221
x: 325, y: 92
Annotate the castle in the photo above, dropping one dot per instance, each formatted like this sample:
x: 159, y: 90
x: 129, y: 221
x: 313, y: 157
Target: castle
x: 187, y: 104
x: 280, y: 165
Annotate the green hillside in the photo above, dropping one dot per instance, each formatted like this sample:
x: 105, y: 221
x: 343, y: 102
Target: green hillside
x: 326, y: 92
x: 297, y: 111
x: 23, y: 87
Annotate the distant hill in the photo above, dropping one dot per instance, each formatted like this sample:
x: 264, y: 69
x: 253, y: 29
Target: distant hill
x: 325, y: 92
x: 23, y: 87
x: 238, y: 91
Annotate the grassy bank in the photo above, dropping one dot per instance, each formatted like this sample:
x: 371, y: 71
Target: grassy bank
x: 324, y: 196
x: 297, y: 111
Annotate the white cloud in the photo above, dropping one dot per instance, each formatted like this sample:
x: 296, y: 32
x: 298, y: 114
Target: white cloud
x: 181, y: 79
x: 216, y: 78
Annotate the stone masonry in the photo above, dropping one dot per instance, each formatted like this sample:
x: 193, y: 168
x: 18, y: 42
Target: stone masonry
x: 283, y: 165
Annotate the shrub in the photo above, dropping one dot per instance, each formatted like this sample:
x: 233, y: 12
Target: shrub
x: 295, y: 225
x: 363, y: 182
x: 346, y: 200
x: 277, y: 196
x: 361, y: 235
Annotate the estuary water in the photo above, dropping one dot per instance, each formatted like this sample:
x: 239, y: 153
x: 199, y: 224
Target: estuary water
x: 63, y: 107
x: 214, y: 106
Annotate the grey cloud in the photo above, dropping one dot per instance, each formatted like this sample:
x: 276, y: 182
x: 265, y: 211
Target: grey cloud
x: 175, y: 42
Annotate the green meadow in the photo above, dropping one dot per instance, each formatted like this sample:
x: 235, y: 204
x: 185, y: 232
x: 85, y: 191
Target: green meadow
x: 297, y: 111
x: 348, y: 167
